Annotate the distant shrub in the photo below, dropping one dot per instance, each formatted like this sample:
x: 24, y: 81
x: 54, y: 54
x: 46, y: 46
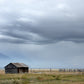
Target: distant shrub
x: 40, y: 78
x: 58, y: 77
x: 53, y: 76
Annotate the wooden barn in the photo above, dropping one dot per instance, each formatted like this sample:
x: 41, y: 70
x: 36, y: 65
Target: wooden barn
x: 16, y: 68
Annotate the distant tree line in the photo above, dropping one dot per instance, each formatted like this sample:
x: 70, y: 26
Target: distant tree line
x: 71, y: 70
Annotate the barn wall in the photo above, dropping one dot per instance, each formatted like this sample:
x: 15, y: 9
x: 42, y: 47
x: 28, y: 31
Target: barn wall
x: 28, y: 69
x: 10, y: 70
x: 10, y: 66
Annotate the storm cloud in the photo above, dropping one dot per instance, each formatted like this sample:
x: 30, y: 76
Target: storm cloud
x: 41, y: 21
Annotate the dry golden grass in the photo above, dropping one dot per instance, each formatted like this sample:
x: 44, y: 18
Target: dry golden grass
x: 37, y: 76
x: 2, y: 72
x: 33, y: 78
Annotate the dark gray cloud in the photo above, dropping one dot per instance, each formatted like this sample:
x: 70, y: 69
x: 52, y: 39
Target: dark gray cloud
x: 41, y: 22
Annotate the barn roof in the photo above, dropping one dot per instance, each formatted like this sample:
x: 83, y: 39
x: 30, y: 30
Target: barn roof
x: 20, y: 64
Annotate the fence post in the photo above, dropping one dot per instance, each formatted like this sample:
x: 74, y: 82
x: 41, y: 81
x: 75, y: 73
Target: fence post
x: 50, y: 70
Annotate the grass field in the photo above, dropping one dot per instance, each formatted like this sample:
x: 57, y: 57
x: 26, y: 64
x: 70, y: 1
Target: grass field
x: 42, y: 78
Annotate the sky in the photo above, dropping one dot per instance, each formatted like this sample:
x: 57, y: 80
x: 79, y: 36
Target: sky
x: 42, y: 33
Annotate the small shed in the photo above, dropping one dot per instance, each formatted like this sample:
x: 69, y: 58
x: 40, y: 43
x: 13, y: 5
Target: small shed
x: 16, y: 68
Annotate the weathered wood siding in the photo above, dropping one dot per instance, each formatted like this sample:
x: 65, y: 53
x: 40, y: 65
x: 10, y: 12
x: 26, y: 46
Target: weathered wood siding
x: 10, y: 69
